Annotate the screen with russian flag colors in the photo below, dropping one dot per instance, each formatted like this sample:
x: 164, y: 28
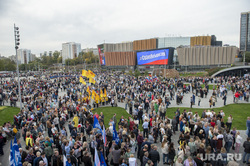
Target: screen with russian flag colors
x: 154, y: 57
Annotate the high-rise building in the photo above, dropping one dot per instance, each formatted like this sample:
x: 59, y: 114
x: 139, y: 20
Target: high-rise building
x: 70, y: 50
x: 24, y: 56
x: 245, y: 31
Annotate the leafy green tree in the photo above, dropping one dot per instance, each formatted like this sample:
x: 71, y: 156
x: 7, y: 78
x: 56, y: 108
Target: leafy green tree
x: 137, y: 73
x: 59, y: 59
x: 7, y: 65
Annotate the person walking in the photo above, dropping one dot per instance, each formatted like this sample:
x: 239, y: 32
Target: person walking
x: 145, y: 126
x: 246, y: 155
x: 154, y: 155
x: 238, y: 141
x: 229, y: 122
x: 191, y: 102
x: 248, y: 126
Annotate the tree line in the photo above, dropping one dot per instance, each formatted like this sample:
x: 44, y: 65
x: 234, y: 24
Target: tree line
x: 44, y: 62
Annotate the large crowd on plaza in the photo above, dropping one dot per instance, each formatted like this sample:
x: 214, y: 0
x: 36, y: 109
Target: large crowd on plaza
x: 56, y: 127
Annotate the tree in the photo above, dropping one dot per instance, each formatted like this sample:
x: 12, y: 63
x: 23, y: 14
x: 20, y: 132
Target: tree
x: 59, y: 59
x: 137, y: 73
x: 56, y: 55
x: 7, y: 64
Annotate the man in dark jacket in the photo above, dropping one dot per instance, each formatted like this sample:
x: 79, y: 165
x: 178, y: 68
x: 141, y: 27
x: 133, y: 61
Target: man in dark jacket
x: 74, y: 133
x: 142, y: 153
x: 246, y: 155
x: 154, y: 155
x: 87, y: 159
x: 57, y: 159
x: 139, y: 143
x: 140, y: 113
x: 23, y: 154
x: 198, y: 161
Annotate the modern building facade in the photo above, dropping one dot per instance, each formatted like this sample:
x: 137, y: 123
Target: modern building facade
x: 200, y: 41
x: 207, y: 56
x: 24, y: 56
x: 70, y: 50
x: 245, y: 31
x: 173, y: 42
x: 167, y: 52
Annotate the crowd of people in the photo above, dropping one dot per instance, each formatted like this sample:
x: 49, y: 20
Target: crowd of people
x: 57, y: 117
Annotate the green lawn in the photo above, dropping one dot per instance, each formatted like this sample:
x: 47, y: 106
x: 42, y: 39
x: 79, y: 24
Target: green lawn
x: 210, y: 86
x: 6, y: 114
x: 203, y: 85
x: 199, y: 74
x: 109, y: 113
x: 240, y: 112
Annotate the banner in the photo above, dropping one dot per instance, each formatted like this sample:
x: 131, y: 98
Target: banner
x: 97, y: 124
x: 91, y: 80
x: 154, y: 57
x: 97, y: 160
x: 84, y: 73
x: 82, y: 81
x: 15, y: 156
x: 101, y: 54
x: 101, y: 93
x: 104, y: 136
x: 93, y: 94
x: 103, y: 163
x: 115, y: 136
x: 91, y: 74
x: 105, y: 93
x: 88, y: 91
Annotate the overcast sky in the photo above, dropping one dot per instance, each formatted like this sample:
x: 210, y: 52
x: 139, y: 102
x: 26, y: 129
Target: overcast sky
x: 46, y: 24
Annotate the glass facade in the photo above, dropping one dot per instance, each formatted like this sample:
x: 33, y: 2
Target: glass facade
x: 245, y: 32
x: 248, y: 33
x: 173, y: 42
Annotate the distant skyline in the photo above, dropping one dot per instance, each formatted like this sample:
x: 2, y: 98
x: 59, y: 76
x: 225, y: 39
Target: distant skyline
x: 45, y: 25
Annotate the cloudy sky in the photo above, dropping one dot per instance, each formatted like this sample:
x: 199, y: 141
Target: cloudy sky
x: 46, y: 24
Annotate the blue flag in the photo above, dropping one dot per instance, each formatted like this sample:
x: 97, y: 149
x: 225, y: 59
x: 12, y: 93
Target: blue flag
x: 115, y: 135
x: 97, y: 124
x: 15, y: 156
x: 103, y: 163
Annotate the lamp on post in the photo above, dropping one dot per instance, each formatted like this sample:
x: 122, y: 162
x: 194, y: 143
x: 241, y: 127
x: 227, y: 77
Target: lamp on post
x: 17, y: 43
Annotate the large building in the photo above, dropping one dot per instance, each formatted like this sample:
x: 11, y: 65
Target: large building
x: 24, y: 56
x: 173, y: 42
x: 70, y: 50
x: 118, y: 54
x: 245, y: 31
x: 206, y: 56
x: 149, y: 54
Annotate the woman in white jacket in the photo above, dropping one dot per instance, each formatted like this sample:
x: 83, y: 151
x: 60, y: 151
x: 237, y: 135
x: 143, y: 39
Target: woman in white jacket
x: 164, y: 149
x: 238, y: 141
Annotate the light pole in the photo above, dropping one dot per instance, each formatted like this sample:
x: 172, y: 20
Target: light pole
x: 17, y: 43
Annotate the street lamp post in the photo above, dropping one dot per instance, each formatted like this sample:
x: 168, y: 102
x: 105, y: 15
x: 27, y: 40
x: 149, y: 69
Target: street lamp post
x: 17, y: 43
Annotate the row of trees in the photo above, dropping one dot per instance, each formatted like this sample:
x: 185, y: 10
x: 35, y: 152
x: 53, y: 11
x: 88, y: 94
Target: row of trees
x: 45, y: 62
x: 7, y: 64
x: 88, y: 58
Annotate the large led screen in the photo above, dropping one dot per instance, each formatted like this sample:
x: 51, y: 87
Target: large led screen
x: 154, y: 57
